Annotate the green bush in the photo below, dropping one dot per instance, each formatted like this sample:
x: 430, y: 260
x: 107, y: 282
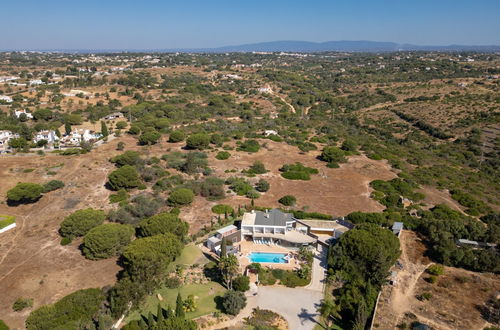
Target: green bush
x: 288, y: 200
x: 65, y: 241
x: 262, y: 185
x: 241, y: 283
x: 129, y: 157
x: 297, y: 171
x: 233, y: 302
x: 120, y: 196
x: 257, y: 168
x: 334, y: 155
x: 126, y: 177
x: 223, y: 155
x: 249, y: 146
x: 80, y: 222
x: 176, y: 136
x: 435, y: 270
x: 3, y: 326
x: 53, y: 185
x: 149, y: 137
x: 24, y: 192
x: 222, y: 209
x: 22, y: 303
x: 198, y: 141
x: 181, y: 196
x: 77, y: 308
x: 162, y: 223
x: 106, y: 240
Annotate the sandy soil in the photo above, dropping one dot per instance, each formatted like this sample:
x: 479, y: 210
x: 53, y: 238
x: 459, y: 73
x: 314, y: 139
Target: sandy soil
x: 454, y: 301
x: 32, y: 262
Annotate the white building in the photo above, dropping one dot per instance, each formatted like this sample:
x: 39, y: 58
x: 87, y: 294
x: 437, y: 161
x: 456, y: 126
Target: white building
x: 49, y: 136
x: 18, y: 113
x: 36, y: 82
x: 269, y: 132
x: 75, y: 92
x: 77, y: 136
x: 5, y: 137
x: 266, y: 89
x: 6, y: 98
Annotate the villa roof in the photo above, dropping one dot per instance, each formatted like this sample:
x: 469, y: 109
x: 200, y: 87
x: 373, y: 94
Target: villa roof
x: 226, y: 229
x: 272, y: 217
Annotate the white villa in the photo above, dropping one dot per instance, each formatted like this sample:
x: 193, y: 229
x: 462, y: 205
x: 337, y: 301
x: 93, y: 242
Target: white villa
x: 18, y: 113
x: 273, y: 227
x: 77, y: 136
x: 49, y: 136
x: 6, y: 98
x: 5, y: 137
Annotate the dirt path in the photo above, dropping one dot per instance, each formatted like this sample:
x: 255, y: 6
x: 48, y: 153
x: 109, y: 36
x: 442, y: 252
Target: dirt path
x: 292, y: 108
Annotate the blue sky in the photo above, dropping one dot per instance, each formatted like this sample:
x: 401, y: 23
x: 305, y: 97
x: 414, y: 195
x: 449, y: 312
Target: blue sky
x: 111, y: 24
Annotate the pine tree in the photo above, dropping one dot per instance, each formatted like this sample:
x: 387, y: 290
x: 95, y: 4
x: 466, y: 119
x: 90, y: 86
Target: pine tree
x: 179, y: 306
x: 252, y: 203
x: 159, y: 314
x: 233, y: 214
x: 168, y: 313
x: 58, y: 132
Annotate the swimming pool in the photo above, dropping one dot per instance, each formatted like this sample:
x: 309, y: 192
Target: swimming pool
x: 276, y: 258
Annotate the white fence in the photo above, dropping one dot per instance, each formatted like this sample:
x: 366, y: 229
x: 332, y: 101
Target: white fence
x: 9, y: 227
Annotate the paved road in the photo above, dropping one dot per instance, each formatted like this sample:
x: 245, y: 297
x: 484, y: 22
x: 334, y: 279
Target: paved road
x: 297, y: 305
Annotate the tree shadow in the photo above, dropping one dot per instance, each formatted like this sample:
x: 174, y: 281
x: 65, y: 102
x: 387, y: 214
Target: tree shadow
x: 305, y: 315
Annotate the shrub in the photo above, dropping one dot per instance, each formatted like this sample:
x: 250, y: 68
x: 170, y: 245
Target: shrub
x: 120, y: 196
x: 24, y: 192
x: 262, y: 185
x: 239, y: 185
x: 77, y: 308
x: 198, y: 141
x: 80, y: 222
x: 233, y: 302
x: 297, y: 171
x: 257, y: 168
x: 249, y: 146
x: 65, y: 241
x: 129, y: 157
x: 53, y: 185
x: 181, y: 196
x: 435, y: 269
x: 223, y: 155
x: 106, y: 240
x: 333, y: 155
x: 3, y: 326
x: 121, y: 125
x: 176, y: 136
x: 126, y: 177
x: 288, y: 200
x: 22, y: 303
x: 149, y: 137
x: 222, y: 209
x: 241, y: 283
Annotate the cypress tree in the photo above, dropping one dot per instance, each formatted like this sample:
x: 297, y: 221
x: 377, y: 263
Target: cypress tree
x: 104, y: 129
x: 159, y: 314
x: 179, y: 306
x: 67, y: 128
x: 151, y: 320
x: 168, y: 313
x: 143, y: 324
x: 223, y: 247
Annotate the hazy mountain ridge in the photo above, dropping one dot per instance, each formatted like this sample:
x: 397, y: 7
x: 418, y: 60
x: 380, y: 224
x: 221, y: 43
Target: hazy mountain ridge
x: 305, y: 47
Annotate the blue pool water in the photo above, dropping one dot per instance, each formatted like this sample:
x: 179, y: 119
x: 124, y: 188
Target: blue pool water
x: 277, y: 258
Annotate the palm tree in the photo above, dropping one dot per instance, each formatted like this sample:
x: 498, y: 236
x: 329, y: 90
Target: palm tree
x: 229, y: 267
x: 329, y: 310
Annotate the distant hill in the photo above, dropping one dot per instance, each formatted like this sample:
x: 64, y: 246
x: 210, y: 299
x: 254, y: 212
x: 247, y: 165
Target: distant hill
x: 305, y: 47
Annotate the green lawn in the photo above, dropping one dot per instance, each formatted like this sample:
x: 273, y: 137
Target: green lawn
x: 190, y: 255
x: 6, y: 220
x: 206, y: 294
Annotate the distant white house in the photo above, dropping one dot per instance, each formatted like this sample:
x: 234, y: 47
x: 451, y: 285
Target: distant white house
x: 49, y: 136
x: 269, y: 132
x: 7, y: 78
x: 75, y: 92
x: 5, y: 137
x: 77, y: 136
x: 6, y: 98
x: 36, y: 82
x: 18, y: 113
x: 114, y: 115
x: 265, y: 89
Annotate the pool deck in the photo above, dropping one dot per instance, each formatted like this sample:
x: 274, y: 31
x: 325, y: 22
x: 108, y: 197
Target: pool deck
x: 249, y: 247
